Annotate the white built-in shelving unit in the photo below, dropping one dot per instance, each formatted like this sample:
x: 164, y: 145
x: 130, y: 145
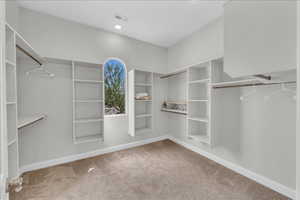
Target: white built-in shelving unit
x: 88, y: 102
x: 140, y: 111
x: 11, y: 103
x: 199, y: 102
x: 14, y: 42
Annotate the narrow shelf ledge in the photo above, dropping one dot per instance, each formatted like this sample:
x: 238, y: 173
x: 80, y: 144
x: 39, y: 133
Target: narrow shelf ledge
x: 89, y: 138
x: 11, y: 142
x: 10, y: 63
x: 200, y: 138
x: 143, y: 84
x: 198, y: 119
x: 27, y: 120
x: 143, y: 100
x: 141, y: 131
x: 11, y: 103
x: 200, y: 81
x: 173, y: 74
x: 26, y: 48
x: 143, y: 116
x: 88, y: 120
x: 174, y: 111
x: 87, y: 81
x: 200, y: 100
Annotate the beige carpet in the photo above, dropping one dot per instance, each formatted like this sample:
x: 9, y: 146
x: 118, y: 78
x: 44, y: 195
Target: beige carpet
x: 158, y: 171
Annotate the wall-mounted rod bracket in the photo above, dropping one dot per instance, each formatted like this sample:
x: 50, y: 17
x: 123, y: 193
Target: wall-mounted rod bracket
x: 263, y: 77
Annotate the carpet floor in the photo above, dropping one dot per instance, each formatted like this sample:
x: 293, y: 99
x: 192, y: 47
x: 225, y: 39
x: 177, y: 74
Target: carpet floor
x: 158, y: 171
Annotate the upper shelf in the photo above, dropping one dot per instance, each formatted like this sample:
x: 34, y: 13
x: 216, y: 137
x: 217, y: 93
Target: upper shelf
x: 173, y: 74
x: 27, y: 49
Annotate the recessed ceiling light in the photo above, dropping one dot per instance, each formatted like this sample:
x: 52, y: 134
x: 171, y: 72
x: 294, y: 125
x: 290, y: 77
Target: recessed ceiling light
x: 118, y: 27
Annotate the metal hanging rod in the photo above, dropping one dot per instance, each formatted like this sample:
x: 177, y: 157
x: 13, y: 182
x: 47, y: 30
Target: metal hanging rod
x: 29, y: 55
x: 173, y: 74
x: 254, y: 84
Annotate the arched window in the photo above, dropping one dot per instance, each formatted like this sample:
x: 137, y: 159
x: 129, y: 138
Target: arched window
x: 115, y: 87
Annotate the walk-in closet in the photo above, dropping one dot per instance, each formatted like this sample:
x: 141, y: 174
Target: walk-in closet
x: 148, y: 100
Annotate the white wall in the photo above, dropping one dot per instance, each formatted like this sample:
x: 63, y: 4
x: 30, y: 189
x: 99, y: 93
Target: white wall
x: 58, y: 38
x: 54, y: 37
x: 12, y: 13
x: 298, y: 103
x: 264, y: 141
x: 3, y: 144
x: 201, y: 45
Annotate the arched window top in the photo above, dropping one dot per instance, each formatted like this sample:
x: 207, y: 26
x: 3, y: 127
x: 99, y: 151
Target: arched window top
x: 115, y: 86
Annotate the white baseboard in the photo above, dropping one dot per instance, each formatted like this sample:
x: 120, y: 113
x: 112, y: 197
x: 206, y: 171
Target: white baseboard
x: 67, y: 159
x: 3, y: 194
x: 238, y: 169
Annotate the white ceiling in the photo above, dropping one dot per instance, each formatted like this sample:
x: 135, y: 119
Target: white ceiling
x: 158, y: 22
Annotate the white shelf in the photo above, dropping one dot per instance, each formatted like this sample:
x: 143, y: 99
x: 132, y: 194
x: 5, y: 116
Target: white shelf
x: 141, y: 131
x: 173, y: 74
x: 199, y: 81
x: 237, y: 82
x: 143, y: 100
x: 10, y: 63
x: 11, y: 103
x: 200, y: 138
x: 198, y: 119
x: 88, y: 101
x: 87, y: 81
x: 21, y: 42
x: 200, y: 100
x: 174, y: 111
x: 88, y: 120
x: 27, y: 120
x: 143, y: 84
x: 11, y: 142
x: 90, y: 138
x: 143, y: 115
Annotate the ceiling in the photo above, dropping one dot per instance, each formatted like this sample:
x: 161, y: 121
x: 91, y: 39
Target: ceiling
x: 162, y: 23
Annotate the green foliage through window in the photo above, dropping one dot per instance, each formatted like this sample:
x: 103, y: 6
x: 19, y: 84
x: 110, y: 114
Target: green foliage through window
x: 115, y: 76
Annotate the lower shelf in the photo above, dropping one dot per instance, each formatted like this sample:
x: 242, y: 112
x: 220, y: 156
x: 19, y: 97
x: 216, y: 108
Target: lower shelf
x: 90, y: 138
x: 143, y: 115
x: 200, y: 138
x: 174, y: 111
x: 198, y: 119
x: 140, y: 131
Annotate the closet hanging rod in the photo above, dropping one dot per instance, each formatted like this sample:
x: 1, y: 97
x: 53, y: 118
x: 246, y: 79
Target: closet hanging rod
x: 172, y: 74
x: 28, y: 54
x: 254, y: 84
